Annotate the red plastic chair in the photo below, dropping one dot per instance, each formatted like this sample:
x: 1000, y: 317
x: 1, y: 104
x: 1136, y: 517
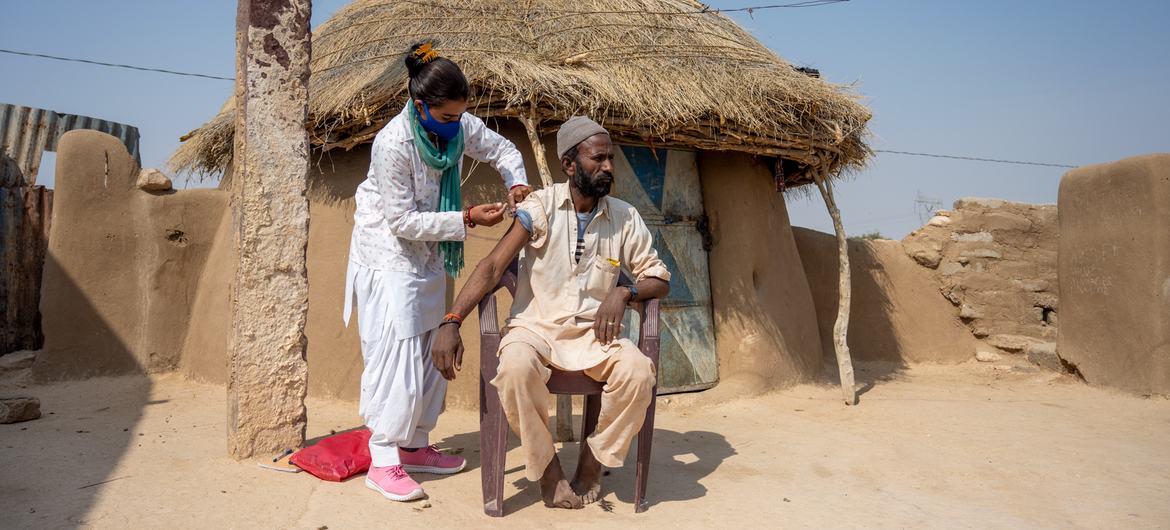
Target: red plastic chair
x: 493, y: 426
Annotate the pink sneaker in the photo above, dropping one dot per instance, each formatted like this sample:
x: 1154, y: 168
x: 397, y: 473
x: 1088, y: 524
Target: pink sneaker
x: 393, y: 483
x: 430, y: 460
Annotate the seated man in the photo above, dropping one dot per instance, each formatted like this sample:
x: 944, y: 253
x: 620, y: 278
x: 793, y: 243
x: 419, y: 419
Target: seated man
x: 568, y: 313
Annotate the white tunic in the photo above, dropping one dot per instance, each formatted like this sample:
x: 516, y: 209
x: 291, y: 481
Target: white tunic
x: 396, y: 276
x: 396, y: 225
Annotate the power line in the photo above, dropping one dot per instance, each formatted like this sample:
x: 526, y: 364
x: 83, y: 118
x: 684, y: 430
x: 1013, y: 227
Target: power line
x: 885, y: 218
x: 810, y: 3
x: 705, y: 10
x: 956, y: 157
x: 114, y: 65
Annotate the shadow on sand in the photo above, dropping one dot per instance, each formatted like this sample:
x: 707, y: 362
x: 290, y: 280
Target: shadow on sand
x: 55, y: 483
x: 679, y: 462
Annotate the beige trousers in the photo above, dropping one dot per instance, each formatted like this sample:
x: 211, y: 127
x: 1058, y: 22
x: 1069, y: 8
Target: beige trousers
x: 521, y: 380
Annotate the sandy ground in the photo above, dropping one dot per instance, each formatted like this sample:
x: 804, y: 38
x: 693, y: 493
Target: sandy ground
x: 929, y: 446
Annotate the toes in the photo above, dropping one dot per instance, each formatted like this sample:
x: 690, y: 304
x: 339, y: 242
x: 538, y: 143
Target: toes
x: 567, y: 504
x: 589, y: 494
x: 592, y: 495
x: 565, y: 496
x: 569, y: 501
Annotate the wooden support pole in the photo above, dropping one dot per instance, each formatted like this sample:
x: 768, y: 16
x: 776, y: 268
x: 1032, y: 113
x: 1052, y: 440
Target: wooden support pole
x: 532, y: 125
x: 841, y: 327
x: 267, y: 373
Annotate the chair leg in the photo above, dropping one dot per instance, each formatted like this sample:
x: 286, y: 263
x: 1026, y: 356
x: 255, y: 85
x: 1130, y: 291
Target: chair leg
x: 645, y: 440
x: 589, y: 415
x: 493, y: 449
x: 564, y: 421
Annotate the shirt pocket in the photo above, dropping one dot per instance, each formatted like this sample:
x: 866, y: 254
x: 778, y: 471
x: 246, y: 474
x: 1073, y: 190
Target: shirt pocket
x: 603, y: 276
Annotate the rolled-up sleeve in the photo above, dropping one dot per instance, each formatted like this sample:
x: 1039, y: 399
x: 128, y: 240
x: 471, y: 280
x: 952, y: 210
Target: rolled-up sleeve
x: 391, y: 171
x: 486, y: 145
x: 537, y: 225
x: 638, y: 251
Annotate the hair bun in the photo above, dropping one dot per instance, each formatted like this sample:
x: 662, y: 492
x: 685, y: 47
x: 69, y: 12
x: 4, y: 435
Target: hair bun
x: 419, y: 56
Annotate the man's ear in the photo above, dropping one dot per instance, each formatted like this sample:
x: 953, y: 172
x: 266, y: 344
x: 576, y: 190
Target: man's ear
x: 568, y: 167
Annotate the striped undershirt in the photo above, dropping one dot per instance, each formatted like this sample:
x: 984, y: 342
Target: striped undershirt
x: 582, y: 222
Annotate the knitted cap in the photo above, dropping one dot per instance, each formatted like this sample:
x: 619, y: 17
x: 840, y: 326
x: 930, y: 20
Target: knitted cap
x: 576, y: 130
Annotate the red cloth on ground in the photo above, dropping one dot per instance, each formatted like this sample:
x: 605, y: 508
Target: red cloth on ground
x: 337, y: 457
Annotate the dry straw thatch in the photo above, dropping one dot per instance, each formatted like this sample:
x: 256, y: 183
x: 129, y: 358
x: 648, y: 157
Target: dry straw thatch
x: 663, y: 72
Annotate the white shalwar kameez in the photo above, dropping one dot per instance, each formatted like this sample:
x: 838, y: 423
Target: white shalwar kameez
x: 396, y: 276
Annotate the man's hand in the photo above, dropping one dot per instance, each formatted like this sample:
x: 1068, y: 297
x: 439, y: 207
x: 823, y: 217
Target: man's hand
x: 447, y: 350
x: 487, y: 214
x: 516, y: 195
x: 608, y: 325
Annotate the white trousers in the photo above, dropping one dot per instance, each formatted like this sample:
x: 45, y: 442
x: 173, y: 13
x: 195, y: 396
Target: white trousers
x: 402, y: 392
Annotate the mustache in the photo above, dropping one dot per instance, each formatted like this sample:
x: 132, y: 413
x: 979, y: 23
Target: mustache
x: 597, y: 185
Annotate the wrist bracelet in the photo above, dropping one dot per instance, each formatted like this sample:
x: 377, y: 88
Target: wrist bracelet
x: 453, y: 318
x: 467, y: 218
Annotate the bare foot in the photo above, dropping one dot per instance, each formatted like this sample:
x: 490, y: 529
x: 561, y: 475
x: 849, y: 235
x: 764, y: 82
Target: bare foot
x: 556, y: 490
x: 587, y: 481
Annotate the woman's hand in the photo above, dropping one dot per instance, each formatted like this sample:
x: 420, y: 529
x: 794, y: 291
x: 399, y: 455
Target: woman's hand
x: 517, y: 195
x: 487, y: 214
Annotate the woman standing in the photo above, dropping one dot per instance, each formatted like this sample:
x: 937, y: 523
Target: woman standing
x: 408, y: 232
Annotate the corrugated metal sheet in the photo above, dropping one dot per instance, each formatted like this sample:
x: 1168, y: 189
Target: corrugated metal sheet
x: 26, y: 133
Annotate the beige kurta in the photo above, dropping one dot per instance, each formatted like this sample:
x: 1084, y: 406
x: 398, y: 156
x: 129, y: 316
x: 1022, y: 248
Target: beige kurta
x: 557, y: 297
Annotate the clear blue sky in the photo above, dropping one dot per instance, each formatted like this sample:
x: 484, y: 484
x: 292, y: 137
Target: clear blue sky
x: 1073, y: 82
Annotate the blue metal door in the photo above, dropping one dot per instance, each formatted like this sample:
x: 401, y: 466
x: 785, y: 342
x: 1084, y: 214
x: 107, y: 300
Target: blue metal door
x: 663, y: 184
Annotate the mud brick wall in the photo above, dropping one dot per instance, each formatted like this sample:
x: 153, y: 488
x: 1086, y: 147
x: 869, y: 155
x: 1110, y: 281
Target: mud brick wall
x: 996, y: 261
x: 1115, y: 273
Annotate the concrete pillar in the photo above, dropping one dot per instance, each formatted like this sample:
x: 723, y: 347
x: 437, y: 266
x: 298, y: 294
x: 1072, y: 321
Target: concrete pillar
x: 267, y: 372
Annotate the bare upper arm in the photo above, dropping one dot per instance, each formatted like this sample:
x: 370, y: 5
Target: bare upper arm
x: 508, y: 247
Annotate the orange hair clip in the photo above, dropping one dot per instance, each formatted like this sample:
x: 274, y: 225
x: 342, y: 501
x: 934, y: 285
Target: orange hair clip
x: 426, y: 53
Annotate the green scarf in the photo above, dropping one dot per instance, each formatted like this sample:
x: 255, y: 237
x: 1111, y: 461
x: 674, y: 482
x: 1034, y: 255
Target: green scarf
x: 445, y: 159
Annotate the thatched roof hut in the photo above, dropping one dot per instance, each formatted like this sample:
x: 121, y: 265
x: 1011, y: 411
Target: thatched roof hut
x: 658, y: 72
x: 708, y: 119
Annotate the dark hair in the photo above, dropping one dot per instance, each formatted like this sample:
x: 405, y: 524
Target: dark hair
x: 435, y: 81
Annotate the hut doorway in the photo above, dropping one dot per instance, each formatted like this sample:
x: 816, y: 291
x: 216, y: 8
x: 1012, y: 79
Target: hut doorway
x: 663, y: 184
